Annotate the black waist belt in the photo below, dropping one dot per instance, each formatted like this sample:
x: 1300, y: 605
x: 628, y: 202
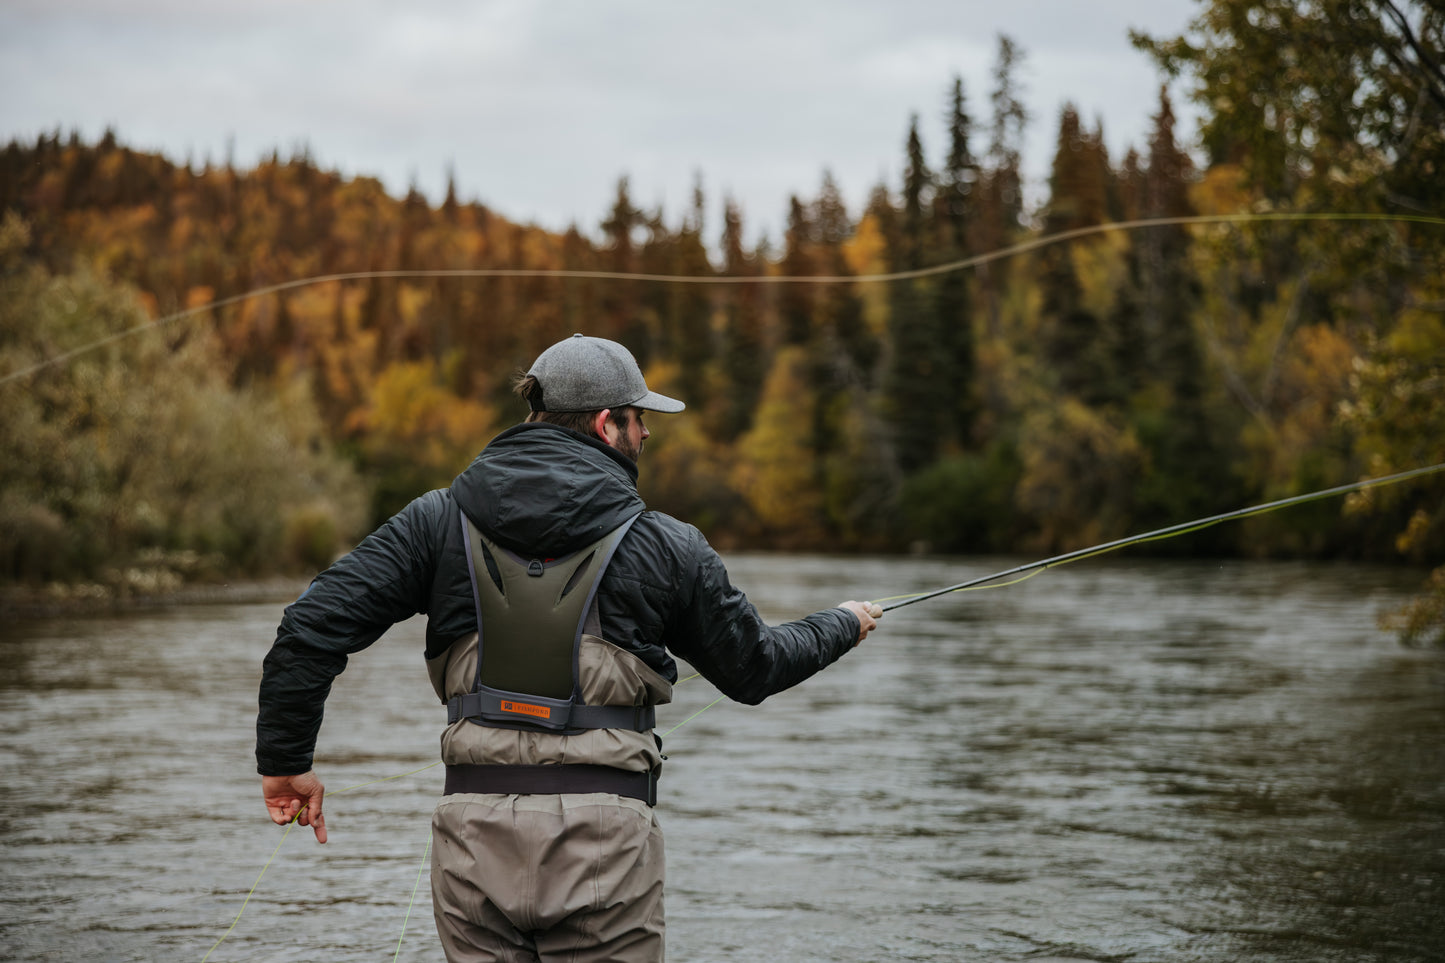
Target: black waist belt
x: 538, y: 780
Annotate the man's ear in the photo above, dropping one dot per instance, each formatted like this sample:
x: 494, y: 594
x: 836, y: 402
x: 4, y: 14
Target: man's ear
x: 599, y: 424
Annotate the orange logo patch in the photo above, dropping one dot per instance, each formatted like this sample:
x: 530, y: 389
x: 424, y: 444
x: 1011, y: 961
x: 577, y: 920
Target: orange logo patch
x: 526, y: 709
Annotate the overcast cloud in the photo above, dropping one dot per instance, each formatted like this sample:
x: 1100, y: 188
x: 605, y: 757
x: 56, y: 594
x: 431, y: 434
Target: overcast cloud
x: 539, y: 107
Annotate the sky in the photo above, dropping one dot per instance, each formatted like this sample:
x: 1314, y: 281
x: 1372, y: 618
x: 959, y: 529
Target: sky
x: 537, y: 109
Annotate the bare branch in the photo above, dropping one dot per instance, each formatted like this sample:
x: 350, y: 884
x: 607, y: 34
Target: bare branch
x: 1426, y: 64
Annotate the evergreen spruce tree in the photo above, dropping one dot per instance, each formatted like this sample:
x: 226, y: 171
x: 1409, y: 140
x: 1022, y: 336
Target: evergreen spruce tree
x: 744, y: 359
x: 1186, y: 477
x: 1073, y: 339
x: 652, y: 324
x: 619, y: 297
x: 1130, y: 347
x: 691, y: 305
x: 999, y: 207
x: 1006, y: 132
x: 848, y: 348
x: 795, y: 301
x: 1170, y: 289
x: 954, y: 207
x: 917, y: 389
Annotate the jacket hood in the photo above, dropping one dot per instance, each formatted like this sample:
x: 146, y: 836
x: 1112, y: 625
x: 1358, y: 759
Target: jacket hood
x: 542, y: 490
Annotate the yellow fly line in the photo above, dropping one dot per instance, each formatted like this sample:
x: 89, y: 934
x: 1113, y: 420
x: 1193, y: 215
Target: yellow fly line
x: 1158, y: 535
x: 292, y: 825
x: 1024, y: 572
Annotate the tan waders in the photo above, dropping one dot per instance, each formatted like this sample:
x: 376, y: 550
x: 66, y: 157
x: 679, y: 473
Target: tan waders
x: 574, y: 877
x: 544, y: 846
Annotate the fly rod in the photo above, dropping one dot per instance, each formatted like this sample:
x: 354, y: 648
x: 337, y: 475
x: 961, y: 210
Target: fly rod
x: 1162, y: 533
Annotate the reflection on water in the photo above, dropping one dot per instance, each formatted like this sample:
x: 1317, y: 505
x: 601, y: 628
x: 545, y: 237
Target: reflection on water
x: 1114, y: 760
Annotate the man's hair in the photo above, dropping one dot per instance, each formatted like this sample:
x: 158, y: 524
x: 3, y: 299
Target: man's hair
x: 527, y: 388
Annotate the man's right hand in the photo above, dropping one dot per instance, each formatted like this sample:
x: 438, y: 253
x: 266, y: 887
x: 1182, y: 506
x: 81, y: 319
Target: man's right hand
x: 868, y: 614
x: 288, y: 796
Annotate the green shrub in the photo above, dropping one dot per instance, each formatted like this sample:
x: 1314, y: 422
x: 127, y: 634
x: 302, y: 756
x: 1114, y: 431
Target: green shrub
x: 964, y: 503
x: 141, y: 445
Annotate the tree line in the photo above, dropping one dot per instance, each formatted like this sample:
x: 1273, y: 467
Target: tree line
x: 1087, y: 388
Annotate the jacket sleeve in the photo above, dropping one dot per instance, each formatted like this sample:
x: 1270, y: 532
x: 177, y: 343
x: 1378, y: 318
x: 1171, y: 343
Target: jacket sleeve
x: 721, y: 634
x: 384, y: 580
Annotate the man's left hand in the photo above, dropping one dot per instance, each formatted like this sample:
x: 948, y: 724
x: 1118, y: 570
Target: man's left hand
x: 295, y: 797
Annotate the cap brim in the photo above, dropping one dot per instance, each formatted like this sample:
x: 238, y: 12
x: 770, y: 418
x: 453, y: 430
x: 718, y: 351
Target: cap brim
x: 652, y: 401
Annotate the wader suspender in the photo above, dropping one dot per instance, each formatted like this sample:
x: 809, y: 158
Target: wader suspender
x: 529, y: 634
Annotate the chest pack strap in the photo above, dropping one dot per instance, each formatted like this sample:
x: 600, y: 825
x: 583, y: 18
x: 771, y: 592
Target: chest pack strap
x: 531, y: 615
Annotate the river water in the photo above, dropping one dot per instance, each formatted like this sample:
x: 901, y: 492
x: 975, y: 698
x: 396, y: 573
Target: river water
x: 1115, y: 760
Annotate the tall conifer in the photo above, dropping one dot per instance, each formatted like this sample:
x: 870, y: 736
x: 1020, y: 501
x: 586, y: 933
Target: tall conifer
x: 917, y: 387
x: 619, y: 297
x: 955, y: 205
x: 1186, y: 476
x: 1000, y: 195
x: 744, y: 346
x: 795, y: 301
x: 1072, y: 337
x: 691, y: 305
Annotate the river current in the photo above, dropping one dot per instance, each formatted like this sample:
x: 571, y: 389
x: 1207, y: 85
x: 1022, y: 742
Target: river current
x: 1114, y: 760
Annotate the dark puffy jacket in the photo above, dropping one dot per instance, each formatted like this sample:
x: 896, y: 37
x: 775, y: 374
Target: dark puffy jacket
x: 541, y: 491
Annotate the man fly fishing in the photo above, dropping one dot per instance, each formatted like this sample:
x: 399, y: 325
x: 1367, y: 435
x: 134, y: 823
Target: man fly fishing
x: 555, y: 603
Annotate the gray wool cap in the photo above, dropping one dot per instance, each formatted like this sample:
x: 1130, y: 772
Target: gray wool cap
x: 589, y: 374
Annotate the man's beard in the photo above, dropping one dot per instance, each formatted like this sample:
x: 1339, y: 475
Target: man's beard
x: 623, y: 421
x: 624, y: 445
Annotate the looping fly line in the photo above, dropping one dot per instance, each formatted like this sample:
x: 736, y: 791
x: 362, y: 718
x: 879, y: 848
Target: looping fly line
x: 989, y: 581
x: 565, y: 274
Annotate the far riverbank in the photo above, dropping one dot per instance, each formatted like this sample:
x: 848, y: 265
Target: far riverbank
x: 47, y: 601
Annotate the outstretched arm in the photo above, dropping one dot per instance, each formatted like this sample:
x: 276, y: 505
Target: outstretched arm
x: 721, y: 634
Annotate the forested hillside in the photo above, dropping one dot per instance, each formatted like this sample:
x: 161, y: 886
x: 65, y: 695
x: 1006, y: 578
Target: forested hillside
x: 932, y: 392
